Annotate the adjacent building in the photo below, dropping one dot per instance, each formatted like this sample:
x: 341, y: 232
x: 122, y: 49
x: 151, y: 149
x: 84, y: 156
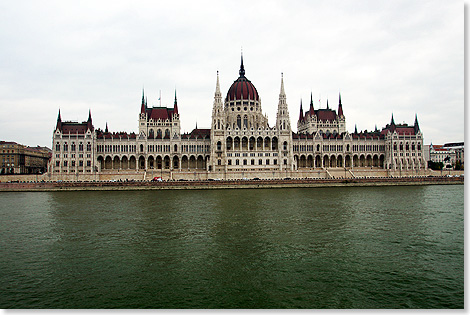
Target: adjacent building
x: 16, y: 158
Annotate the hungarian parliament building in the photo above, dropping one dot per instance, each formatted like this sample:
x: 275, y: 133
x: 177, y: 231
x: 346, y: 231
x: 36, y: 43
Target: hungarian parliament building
x: 240, y: 143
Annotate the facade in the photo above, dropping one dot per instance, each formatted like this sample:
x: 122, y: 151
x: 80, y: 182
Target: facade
x: 20, y: 159
x: 239, y: 143
x: 450, y: 154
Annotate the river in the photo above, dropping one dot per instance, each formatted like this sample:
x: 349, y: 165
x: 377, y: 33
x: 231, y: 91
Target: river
x: 344, y: 247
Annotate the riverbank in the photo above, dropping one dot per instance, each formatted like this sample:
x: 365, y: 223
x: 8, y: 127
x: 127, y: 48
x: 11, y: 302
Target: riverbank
x: 227, y: 184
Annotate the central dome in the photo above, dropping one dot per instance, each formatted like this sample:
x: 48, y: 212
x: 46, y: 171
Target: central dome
x: 242, y: 88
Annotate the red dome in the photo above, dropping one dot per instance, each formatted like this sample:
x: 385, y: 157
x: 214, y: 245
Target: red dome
x: 242, y: 88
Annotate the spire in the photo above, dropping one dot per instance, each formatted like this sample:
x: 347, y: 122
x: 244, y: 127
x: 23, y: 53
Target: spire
x: 340, y: 106
x: 59, y: 121
x: 143, y: 106
x: 416, y: 123
x: 301, y: 116
x: 89, y: 122
x: 175, y: 106
x: 311, y: 104
x: 392, y: 122
x: 376, y: 127
x: 283, y: 92
x: 327, y: 107
x: 355, y: 128
x: 196, y: 124
x: 106, y: 130
x: 217, y: 86
x: 242, y: 68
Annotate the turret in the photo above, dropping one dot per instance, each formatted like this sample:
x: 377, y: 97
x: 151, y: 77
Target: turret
x: 311, y: 110
x: 59, y: 122
x: 282, y: 118
x: 175, y: 106
x: 301, y: 115
x: 340, y: 107
x: 89, y: 122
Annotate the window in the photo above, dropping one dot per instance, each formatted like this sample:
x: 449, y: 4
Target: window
x: 237, y: 162
x: 229, y: 162
x: 252, y: 161
x: 260, y: 162
x: 245, y: 162
x: 88, y: 163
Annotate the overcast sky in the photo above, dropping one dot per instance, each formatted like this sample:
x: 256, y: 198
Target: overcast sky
x: 400, y: 57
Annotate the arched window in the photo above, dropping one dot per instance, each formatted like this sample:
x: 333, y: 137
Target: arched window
x: 159, y: 133
x: 72, y: 147
x: 66, y: 146
x: 318, y: 147
x: 141, y: 148
x: 245, y: 121
x: 88, y: 146
x: 57, y: 146
x: 394, y: 146
x: 151, y: 134
x: 219, y: 145
x: 284, y: 146
x: 175, y: 148
x: 80, y: 146
x: 167, y: 133
x: 239, y: 121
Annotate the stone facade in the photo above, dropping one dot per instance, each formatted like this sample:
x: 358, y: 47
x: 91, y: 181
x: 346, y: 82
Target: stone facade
x: 239, y: 144
x: 16, y: 158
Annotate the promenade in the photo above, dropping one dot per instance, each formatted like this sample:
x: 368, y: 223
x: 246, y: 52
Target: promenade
x: 227, y: 184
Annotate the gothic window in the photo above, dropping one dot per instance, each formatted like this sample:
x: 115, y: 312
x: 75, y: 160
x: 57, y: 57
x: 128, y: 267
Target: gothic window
x: 239, y: 122
x: 176, y: 148
x: 72, y: 147
x: 245, y: 121
x: 219, y: 145
x: 167, y: 133
x: 57, y: 146
x: 252, y: 162
x: 66, y: 146
x: 401, y: 146
x: 229, y: 162
x: 260, y: 162
x: 244, y: 162
x: 237, y: 162
x: 395, y: 146
x: 419, y: 147
x: 141, y: 148
x: 284, y: 147
x: 218, y: 124
x: 159, y: 133
x: 80, y: 146
x: 88, y: 146
x: 151, y: 134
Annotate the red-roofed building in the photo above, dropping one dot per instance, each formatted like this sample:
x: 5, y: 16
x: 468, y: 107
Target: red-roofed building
x: 240, y: 142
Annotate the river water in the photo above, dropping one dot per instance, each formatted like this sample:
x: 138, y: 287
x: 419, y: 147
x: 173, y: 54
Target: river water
x: 358, y: 247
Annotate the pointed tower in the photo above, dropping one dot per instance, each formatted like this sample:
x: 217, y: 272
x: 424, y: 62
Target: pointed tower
x: 89, y: 122
x: 340, y: 107
x: 355, y: 128
x: 301, y: 115
x: 282, y: 117
x: 143, y: 106
x: 284, y: 131
x: 59, y: 122
x: 311, y: 109
x: 416, y: 125
x: 392, y: 122
x: 175, y: 106
x: 106, y: 130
